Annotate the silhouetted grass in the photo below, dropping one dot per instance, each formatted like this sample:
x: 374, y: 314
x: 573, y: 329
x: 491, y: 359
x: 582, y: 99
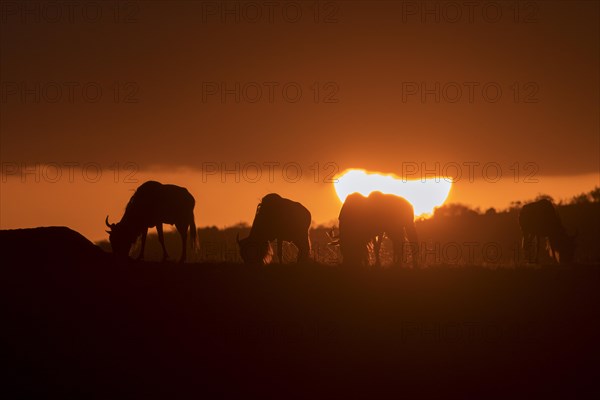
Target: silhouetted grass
x: 459, y: 237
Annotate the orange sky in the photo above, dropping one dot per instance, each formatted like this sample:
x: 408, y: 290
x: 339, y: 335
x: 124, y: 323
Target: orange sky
x: 174, y: 87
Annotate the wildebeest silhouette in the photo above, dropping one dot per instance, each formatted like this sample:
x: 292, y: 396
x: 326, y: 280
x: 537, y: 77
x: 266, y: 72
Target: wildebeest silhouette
x: 365, y: 220
x: 357, y: 242
x: 276, y: 218
x: 539, y: 220
x: 57, y: 245
x: 151, y: 205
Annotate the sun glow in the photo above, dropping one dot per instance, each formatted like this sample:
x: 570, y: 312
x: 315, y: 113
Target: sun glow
x: 423, y: 194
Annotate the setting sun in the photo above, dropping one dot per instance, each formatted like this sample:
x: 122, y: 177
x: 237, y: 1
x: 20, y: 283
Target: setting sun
x: 423, y: 194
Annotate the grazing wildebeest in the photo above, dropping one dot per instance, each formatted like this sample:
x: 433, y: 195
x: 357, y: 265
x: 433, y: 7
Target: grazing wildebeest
x: 151, y: 205
x: 355, y: 213
x: 365, y: 220
x: 276, y: 218
x: 540, y: 220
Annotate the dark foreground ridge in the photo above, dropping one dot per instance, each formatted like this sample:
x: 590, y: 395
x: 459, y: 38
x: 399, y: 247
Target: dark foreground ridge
x: 49, y: 244
x: 98, y: 329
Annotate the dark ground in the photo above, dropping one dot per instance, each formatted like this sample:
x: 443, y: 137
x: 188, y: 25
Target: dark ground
x: 102, y: 329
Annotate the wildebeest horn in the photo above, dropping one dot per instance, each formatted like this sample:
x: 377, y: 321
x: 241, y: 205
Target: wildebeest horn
x: 111, y: 226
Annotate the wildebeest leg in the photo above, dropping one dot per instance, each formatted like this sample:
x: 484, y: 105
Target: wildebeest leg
x: 528, y: 247
x: 182, y: 229
x: 398, y: 252
x: 303, y: 249
x: 365, y: 259
x: 399, y: 248
x: 538, y: 247
x: 376, y: 249
x: 280, y: 250
x: 552, y: 251
x: 144, y: 234
x: 161, y: 239
x: 524, y: 246
x: 413, y: 243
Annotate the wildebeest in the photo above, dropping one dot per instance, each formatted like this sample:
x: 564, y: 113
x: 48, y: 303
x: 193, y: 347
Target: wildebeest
x: 355, y: 213
x: 540, y: 220
x: 276, y: 218
x: 364, y: 221
x: 151, y: 205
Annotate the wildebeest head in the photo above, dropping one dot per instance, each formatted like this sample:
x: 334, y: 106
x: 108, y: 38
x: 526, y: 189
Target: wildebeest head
x: 565, y: 247
x: 354, y: 249
x: 253, y: 251
x: 121, y: 239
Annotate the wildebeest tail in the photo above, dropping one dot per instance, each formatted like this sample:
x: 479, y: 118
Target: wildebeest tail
x: 194, y: 233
